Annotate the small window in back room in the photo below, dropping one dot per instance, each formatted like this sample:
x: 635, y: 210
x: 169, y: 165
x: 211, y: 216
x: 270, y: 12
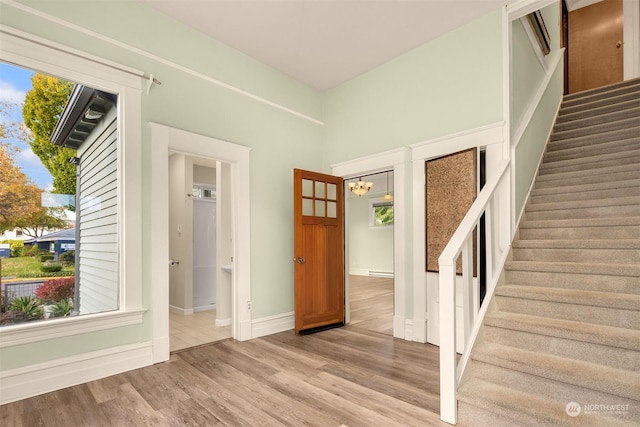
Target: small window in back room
x: 380, y: 213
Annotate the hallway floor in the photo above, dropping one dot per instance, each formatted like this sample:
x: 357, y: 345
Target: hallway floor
x: 194, y: 330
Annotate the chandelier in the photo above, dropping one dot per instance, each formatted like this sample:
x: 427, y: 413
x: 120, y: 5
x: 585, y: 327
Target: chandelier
x: 360, y: 188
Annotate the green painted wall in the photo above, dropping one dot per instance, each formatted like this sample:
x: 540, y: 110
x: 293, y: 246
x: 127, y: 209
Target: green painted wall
x: 370, y: 248
x: 279, y: 140
x: 527, y: 78
x: 451, y: 84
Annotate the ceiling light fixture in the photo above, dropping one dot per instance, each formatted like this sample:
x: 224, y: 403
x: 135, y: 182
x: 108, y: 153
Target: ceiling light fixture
x: 387, y: 197
x: 360, y: 188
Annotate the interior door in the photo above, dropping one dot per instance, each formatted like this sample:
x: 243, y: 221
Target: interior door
x: 595, y: 45
x: 204, y: 255
x: 318, y: 250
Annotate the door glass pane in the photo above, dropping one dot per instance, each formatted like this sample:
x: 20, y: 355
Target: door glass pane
x: 307, y: 188
x: 331, y: 191
x: 319, y: 207
x: 331, y: 209
x: 319, y: 190
x: 307, y: 207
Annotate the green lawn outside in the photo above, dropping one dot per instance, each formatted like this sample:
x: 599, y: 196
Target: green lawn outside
x: 24, y: 267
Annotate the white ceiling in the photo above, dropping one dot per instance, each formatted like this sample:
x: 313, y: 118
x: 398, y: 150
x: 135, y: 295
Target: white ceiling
x: 325, y: 42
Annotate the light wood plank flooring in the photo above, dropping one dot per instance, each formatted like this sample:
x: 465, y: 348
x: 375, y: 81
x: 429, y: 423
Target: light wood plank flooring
x: 341, y: 377
x: 195, y: 329
x: 371, y: 301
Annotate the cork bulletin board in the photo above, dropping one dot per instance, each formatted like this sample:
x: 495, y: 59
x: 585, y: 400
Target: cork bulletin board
x: 451, y: 188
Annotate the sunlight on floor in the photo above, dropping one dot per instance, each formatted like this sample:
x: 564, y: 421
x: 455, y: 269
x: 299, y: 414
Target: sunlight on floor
x: 196, y: 329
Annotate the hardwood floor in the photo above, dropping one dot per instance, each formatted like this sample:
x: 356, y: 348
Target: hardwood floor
x: 371, y: 301
x: 195, y: 329
x: 342, y: 377
x: 358, y: 375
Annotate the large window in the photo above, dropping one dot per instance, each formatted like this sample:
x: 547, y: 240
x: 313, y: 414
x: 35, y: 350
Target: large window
x: 106, y: 236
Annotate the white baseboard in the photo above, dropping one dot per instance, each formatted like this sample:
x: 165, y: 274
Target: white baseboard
x: 224, y: 322
x: 161, y: 349
x: 353, y: 271
x: 182, y: 311
x: 408, y: 329
x: 29, y: 381
x: 272, y: 324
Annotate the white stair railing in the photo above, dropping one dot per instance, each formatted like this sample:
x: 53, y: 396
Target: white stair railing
x: 493, y: 202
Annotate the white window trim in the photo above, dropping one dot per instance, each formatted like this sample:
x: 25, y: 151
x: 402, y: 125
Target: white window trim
x: 372, y: 217
x: 29, y: 51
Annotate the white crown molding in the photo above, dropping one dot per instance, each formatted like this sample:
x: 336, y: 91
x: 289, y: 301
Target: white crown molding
x: 156, y: 58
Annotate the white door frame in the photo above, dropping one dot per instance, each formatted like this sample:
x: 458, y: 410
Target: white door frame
x: 380, y: 162
x: 163, y: 139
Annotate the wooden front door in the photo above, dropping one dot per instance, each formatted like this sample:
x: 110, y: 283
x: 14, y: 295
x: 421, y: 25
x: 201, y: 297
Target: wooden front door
x: 318, y: 250
x: 595, y: 45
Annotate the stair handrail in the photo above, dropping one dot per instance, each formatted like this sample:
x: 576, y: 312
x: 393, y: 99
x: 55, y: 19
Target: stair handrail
x: 461, y: 243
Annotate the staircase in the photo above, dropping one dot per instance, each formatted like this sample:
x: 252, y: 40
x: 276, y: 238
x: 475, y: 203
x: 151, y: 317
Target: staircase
x: 560, y: 344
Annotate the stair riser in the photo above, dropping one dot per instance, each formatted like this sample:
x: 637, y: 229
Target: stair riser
x: 574, y: 233
x: 608, y: 256
x: 633, y: 189
x: 586, y: 282
x: 557, y: 310
x: 621, y: 112
x: 614, y: 357
x: 554, y: 184
x: 591, y: 151
x: 579, y: 213
x: 556, y: 390
x: 592, y: 165
x: 600, y: 94
x: 470, y: 415
x: 593, y: 111
x: 592, y: 141
x: 594, y: 130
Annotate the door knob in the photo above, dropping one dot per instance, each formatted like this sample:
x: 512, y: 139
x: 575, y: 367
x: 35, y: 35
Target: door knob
x: 299, y: 259
x: 618, y: 44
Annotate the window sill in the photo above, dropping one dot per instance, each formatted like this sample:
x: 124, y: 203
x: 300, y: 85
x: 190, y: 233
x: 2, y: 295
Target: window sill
x: 30, y: 332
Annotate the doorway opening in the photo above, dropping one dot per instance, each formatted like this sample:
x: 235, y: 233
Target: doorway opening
x: 200, y: 252
x: 369, y: 231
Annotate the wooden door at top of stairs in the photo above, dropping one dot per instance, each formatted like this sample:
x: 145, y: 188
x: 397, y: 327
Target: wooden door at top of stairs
x: 595, y: 45
x: 318, y: 250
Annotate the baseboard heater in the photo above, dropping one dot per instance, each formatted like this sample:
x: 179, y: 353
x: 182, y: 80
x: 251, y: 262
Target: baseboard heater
x: 377, y: 273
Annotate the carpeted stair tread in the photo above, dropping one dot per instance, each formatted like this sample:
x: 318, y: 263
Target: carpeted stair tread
x: 591, y: 159
x: 587, y: 141
x: 571, y: 296
x: 483, y: 403
x: 569, y: 280
x: 578, y: 204
x: 568, y: 329
x: 585, y: 222
x: 578, y: 244
x: 621, y: 145
x: 599, y: 103
x: 586, y: 191
x: 594, y: 129
x: 609, y: 91
x: 620, y: 113
x: 617, y: 103
x: 593, y: 165
x: 575, y: 267
x: 609, y: 173
x: 617, y: 382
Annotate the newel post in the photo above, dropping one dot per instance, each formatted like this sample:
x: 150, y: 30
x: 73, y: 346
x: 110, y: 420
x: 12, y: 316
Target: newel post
x: 448, y: 402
